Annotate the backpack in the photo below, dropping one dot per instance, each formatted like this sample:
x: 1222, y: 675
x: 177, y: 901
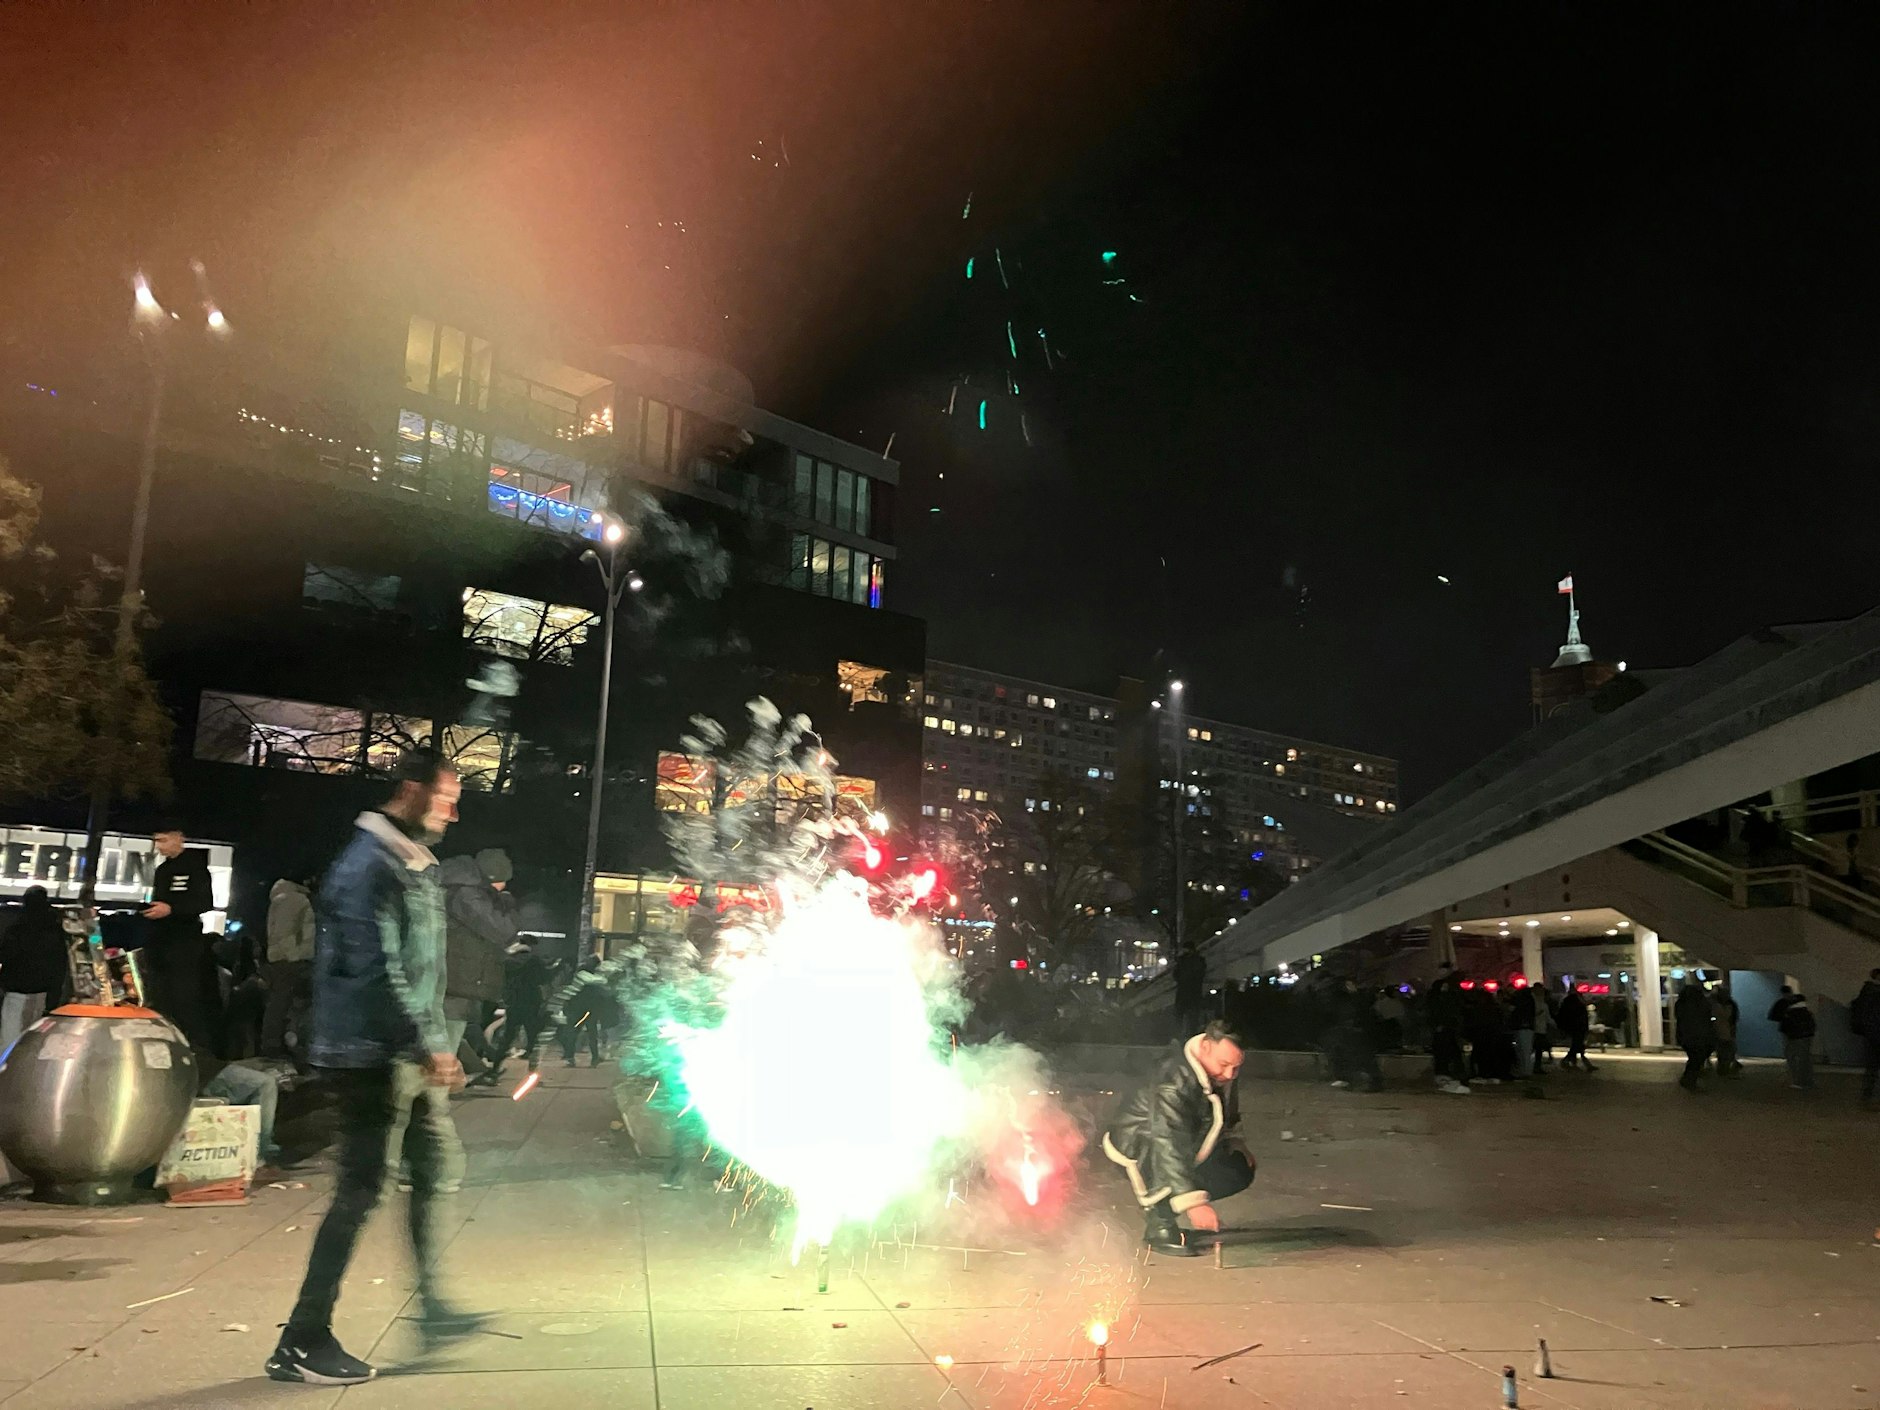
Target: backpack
x: 1798, y: 1022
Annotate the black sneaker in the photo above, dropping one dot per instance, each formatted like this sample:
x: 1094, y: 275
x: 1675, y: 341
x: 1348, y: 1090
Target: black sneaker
x: 316, y: 1359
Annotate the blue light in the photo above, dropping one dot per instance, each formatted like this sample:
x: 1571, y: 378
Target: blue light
x: 982, y: 416
x: 969, y: 267
x: 1258, y: 857
x: 1109, y: 256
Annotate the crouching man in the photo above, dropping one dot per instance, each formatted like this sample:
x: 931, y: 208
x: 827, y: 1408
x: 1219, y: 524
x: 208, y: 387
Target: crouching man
x: 1177, y: 1139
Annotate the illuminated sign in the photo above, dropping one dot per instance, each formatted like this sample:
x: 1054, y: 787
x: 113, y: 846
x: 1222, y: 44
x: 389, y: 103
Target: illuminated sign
x: 37, y: 856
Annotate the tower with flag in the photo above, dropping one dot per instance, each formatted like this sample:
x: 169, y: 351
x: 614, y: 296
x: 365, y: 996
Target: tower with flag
x: 1575, y: 673
x: 1575, y: 652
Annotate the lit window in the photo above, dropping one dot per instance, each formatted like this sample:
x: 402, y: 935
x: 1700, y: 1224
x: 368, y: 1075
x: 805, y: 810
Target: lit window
x: 926, y: 810
x: 928, y: 699
x: 965, y: 795
x: 1093, y: 773
x: 1031, y: 700
x: 1380, y: 805
x: 998, y: 734
x: 1208, y: 735
x: 966, y: 731
x: 1109, y: 773
x: 1193, y: 733
x: 948, y: 727
x: 1292, y: 755
x: 945, y: 813
x: 1094, y: 712
x: 1357, y: 768
x: 932, y: 721
x: 1031, y: 805
x: 1279, y: 768
x: 1050, y: 702
x: 523, y: 628
x: 979, y: 795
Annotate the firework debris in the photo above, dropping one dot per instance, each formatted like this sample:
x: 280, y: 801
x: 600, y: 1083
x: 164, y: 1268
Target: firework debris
x: 1225, y: 1356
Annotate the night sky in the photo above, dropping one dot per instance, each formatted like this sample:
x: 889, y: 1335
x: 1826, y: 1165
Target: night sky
x: 1493, y: 292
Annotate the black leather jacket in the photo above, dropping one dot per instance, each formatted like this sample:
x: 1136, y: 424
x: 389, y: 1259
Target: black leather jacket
x: 1169, y: 1127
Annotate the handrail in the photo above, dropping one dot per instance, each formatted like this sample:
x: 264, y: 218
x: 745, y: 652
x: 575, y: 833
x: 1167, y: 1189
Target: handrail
x: 1865, y: 804
x: 1789, y: 885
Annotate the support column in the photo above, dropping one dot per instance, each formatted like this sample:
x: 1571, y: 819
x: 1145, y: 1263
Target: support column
x: 1442, y: 946
x: 1651, y: 1023
x: 1531, y: 957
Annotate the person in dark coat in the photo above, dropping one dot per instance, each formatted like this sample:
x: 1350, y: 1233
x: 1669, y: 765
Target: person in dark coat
x: 1693, y: 1015
x: 525, y: 977
x: 1863, y: 1017
x: 32, y: 965
x: 1575, y: 1022
x: 480, y: 926
x: 1351, y: 1042
x: 1443, y: 1003
x: 1177, y: 1139
x: 179, y: 957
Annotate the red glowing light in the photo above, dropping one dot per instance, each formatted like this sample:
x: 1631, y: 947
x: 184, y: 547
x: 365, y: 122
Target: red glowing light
x: 528, y: 1086
x: 1518, y: 982
x: 1030, y: 1176
x: 1491, y: 985
x: 1468, y: 984
x: 923, y: 884
x: 871, y: 856
x: 1021, y: 964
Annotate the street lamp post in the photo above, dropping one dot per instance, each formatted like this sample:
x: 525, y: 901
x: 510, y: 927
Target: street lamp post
x: 149, y: 321
x: 613, y: 583
x: 1181, y: 809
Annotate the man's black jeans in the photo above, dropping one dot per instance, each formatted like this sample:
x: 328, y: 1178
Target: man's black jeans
x: 379, y: 1107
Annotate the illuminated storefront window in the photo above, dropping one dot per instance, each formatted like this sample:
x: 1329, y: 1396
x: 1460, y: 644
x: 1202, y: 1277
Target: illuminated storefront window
x: 523, y: 628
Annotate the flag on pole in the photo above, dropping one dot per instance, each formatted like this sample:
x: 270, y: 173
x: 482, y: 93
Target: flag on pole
x: 1565, y: 586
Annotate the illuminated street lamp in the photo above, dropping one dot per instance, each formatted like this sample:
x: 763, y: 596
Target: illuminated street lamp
x: 149, y: 320
x: 1181, y: 809
x: 614, y: 582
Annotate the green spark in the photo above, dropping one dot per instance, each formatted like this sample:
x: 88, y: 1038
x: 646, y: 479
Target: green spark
x: 969, y: 267
x: 1109, y: 256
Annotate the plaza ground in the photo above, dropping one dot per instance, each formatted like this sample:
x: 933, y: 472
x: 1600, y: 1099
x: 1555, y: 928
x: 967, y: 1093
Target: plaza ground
x: 1398, y: 1250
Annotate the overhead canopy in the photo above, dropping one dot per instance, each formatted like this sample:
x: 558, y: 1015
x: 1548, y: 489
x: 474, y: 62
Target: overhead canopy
x: 1648, y: 750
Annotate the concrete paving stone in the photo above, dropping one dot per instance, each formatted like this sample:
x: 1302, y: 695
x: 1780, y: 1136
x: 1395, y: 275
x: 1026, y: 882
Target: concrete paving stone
x: 548, y: 1282
x: 1010, y: 1337
x: 1499, y: 1327
x: 1281, y: 1328
x: 810, y: 1337
x: 627, y: 1389
x: 720, y: 1285
x: 533, y: 1341
x: 821, y: 1387
x: 1707, y: 1380
x: 30, y: 1347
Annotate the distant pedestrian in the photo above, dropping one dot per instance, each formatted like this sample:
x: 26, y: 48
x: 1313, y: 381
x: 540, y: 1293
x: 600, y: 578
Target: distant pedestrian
x: 1191, y: 991
x: 1389, y: 1011
x: 32, y: 965
x: 179, y: 957
x: 1798, y: 1042
x: 1576, y: 1021
x: 1863, y: 1016
x: 1351, y: 1042
x: 525, y: 976
x: 1693, y: 1015
x: 1444, y: 1004
x: 480, y: 927
x: 381, y: 1043
x: 289, y: 965
x: 585, y: 1010
x: 1522, y: 1004
x: 1725, y: 1015
x: 1784, y: 997
x: 1491, y: 1055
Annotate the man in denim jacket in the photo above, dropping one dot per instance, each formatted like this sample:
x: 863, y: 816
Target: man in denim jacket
x: 381, y: 1044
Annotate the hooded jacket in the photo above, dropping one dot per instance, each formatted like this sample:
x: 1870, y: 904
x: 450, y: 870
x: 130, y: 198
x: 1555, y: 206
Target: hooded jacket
x: 378, y: 963
x: 1864, y: 1012
x: 290, y: 922
x: 480, y: 926
x: 32, y: 952
x: 1169, y: 1127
